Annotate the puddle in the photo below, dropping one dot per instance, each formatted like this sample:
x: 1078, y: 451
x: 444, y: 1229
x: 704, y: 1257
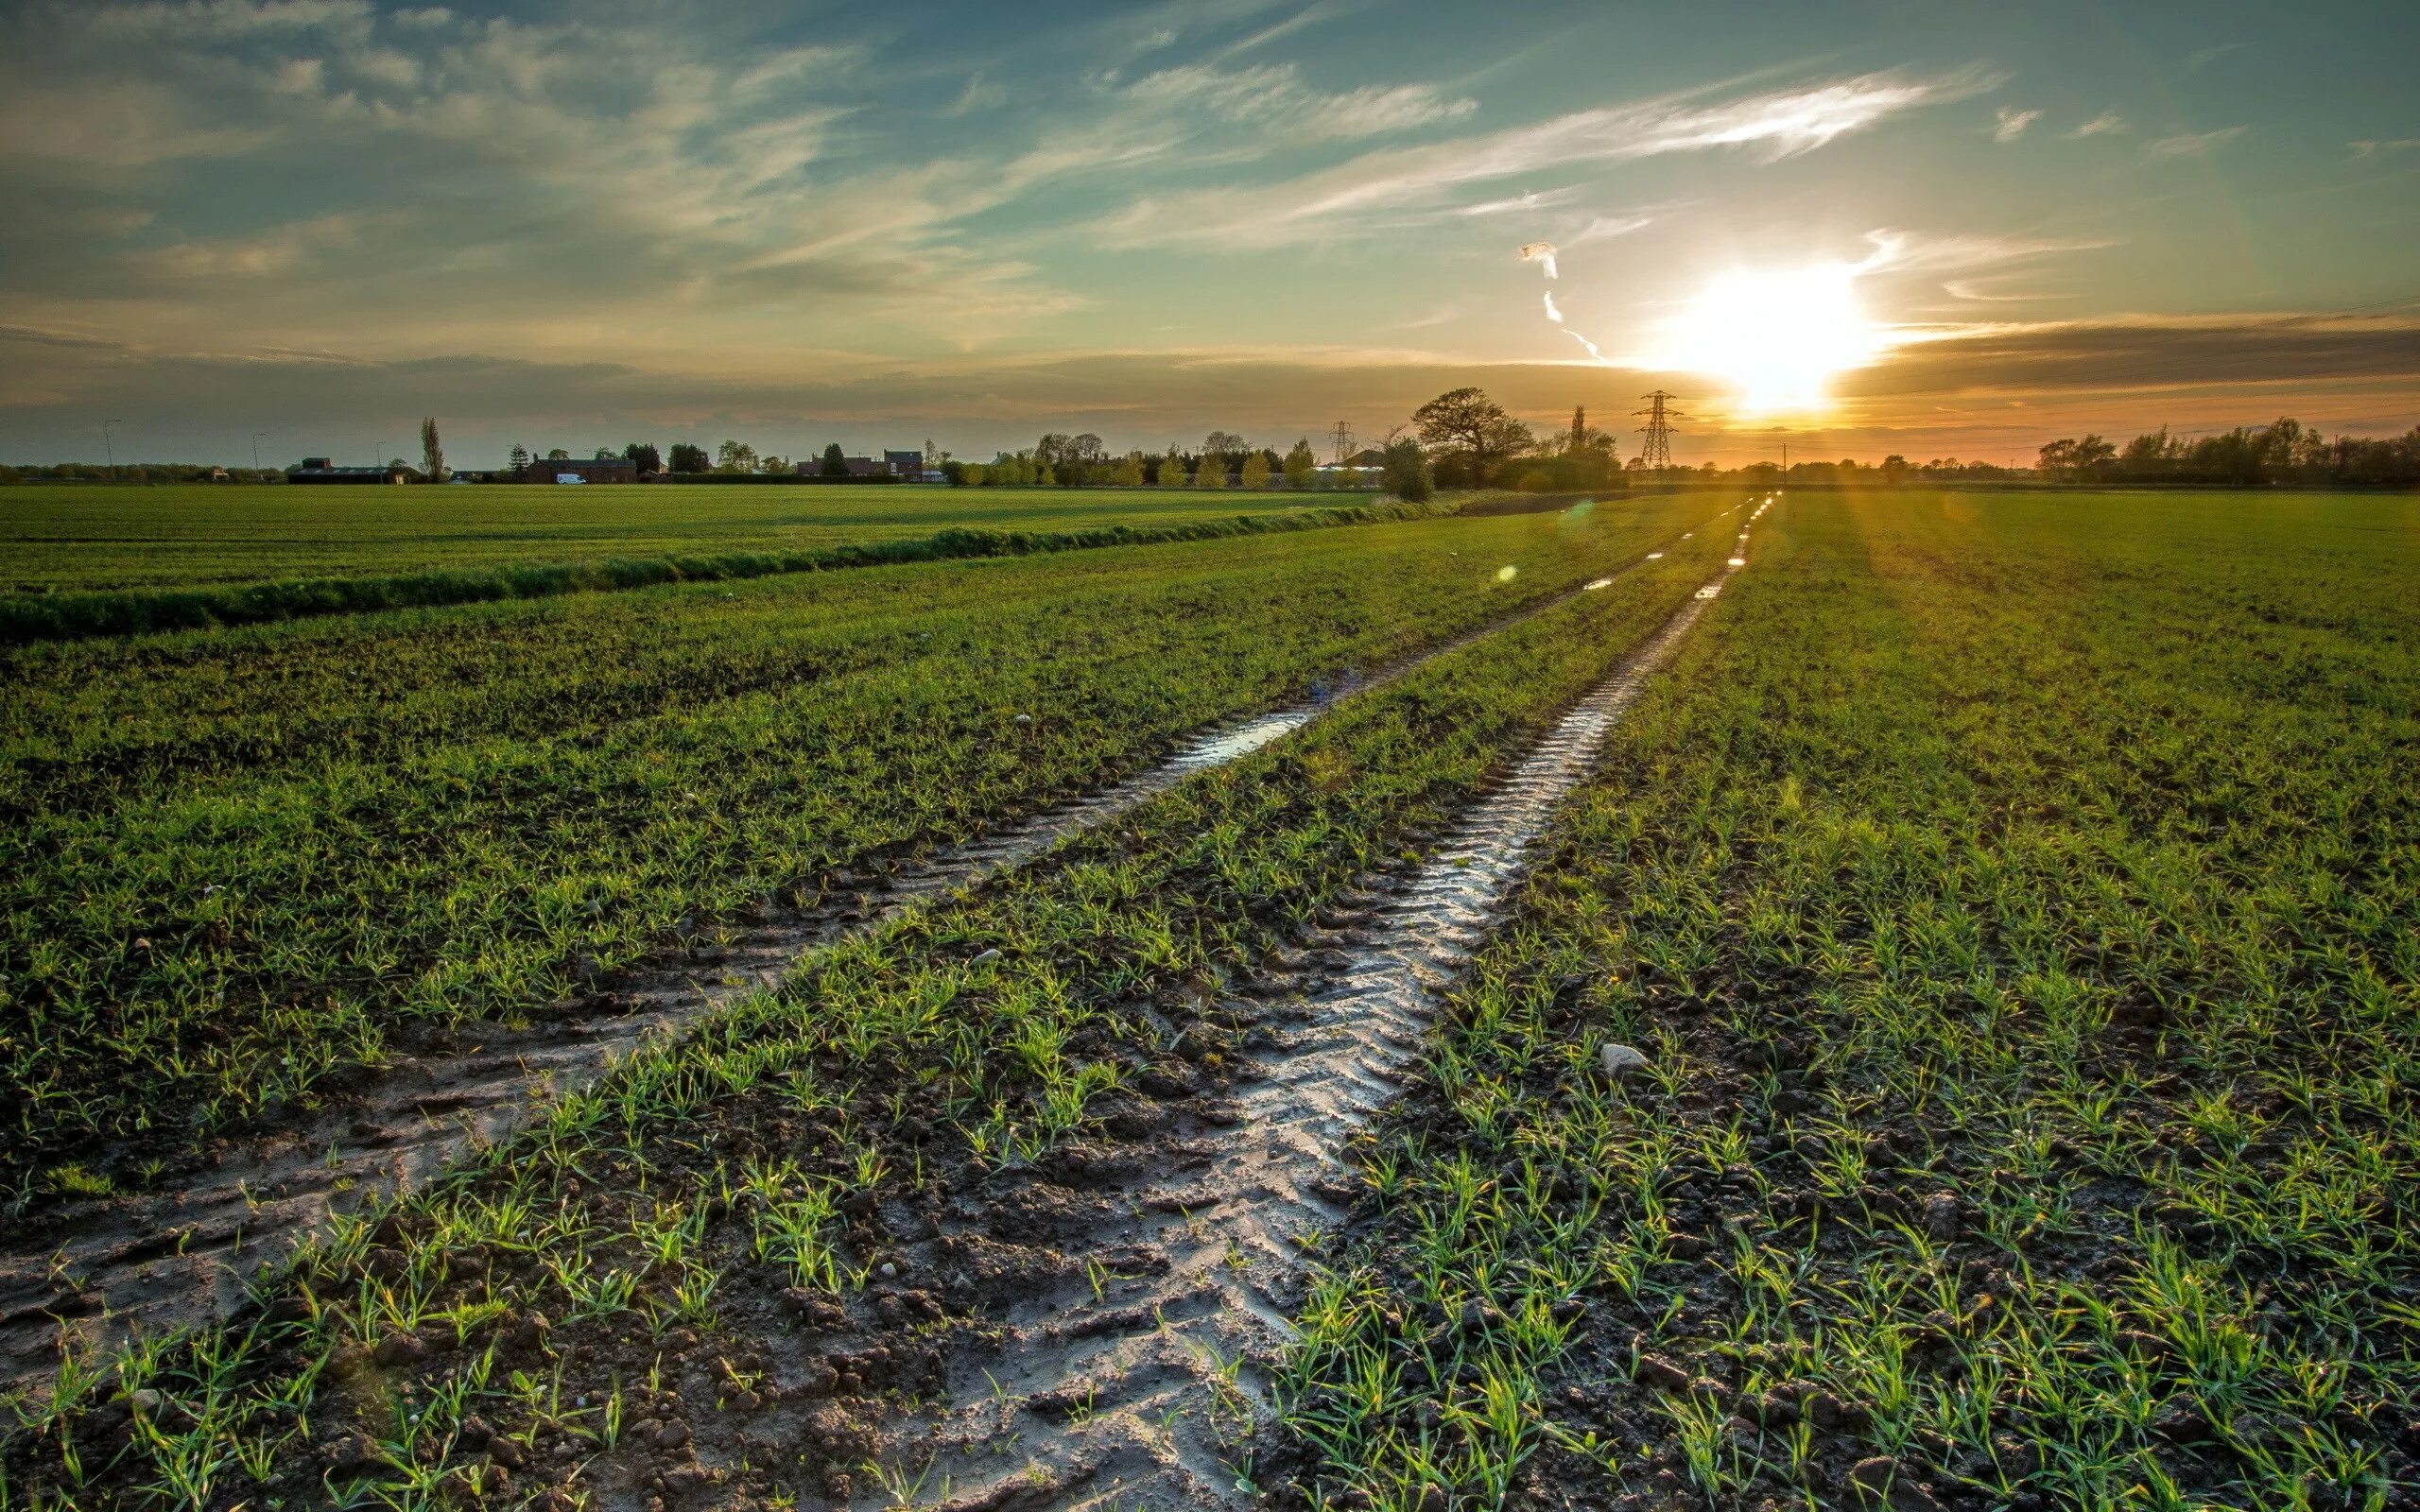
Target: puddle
x: 1131, y: 1385
x: 106, y: 1268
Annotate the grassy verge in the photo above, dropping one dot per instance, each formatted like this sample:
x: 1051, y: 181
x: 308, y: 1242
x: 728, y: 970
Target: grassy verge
x: 137, y: 611
x: 235, y: 864
x: 2016, y: 913
x: 664, y: 1248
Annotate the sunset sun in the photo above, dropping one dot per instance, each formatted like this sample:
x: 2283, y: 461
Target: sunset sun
x: 1776, y: 338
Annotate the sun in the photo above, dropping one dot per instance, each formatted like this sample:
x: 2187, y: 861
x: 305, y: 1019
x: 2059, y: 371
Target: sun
x: 1776, y: 337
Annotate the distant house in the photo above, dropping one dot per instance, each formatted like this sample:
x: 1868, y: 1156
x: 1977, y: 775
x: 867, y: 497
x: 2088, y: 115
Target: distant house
x: 320, y: 469
x: 908, y: 465
x: 860, y: 466
x: 580, y: 469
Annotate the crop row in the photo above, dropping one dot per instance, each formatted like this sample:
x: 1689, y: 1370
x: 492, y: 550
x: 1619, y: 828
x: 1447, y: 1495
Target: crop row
x: 2012, y: 910
x: 143, y: 611
x: 625, y: 1259
x: 234, y: 863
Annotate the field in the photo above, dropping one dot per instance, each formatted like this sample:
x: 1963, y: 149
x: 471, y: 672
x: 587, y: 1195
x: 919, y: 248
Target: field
x: 57, y: 538
x: 237, y: 861
x: 1953, y: 1047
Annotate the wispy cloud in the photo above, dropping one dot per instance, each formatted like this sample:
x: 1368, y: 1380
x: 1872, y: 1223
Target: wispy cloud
x: 2191, y: 144
x: 1901, y: 252
x: 2012, y: 122
x: 1421, y: 180
x: 1275, y: 98
x: 2201, y: 58
x: 2373, y: 148
x: 2108, y: 123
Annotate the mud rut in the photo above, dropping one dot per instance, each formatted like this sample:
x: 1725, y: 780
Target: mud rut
x: 184, y: 1255
x: 1131, y: 1371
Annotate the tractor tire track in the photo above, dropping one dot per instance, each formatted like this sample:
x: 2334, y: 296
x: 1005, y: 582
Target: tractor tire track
x: 1153, y: 1286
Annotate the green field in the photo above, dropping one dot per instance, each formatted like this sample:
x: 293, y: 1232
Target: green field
x: 87, y: 536
x: 2017, y: 903
x: 2013, y: 901
x: 236, y: 859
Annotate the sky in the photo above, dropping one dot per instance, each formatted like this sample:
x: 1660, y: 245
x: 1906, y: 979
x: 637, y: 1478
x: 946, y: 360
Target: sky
x: 305, y: 224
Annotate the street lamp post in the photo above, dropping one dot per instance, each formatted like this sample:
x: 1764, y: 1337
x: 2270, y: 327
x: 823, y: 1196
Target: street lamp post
x: 256, y: 449
x: 109, y: 450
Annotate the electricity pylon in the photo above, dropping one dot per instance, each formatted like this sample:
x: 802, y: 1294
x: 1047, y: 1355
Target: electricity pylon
x: 1343, y: 437
x: 1658, y: 429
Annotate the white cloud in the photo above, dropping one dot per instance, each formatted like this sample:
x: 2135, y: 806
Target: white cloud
x: 1275, y: 98
x: 2373, y: 148
x: 2108, y: 123
x: 1899, y: 251
x: 1417, y: 180
x: 2012, y: 124
x: 2191, y: 144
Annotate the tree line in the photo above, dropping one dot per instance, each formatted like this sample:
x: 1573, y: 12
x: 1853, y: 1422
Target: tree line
x: 2285, y: 450
x: 1224, y: 460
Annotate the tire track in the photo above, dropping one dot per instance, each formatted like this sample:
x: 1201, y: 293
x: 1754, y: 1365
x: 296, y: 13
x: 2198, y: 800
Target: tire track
x: 99, y: 1271
x: 1135, y: 1372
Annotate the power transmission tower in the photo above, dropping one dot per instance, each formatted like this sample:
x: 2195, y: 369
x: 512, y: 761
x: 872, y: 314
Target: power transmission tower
x: 1658, y: 429
x: 1343, y: 437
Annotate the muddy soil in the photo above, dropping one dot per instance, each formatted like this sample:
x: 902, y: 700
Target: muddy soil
x: 98, y: 1271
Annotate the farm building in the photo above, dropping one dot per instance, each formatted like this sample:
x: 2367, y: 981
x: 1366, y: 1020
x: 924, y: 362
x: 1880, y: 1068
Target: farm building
x: 908, y: 465
x: 583, y: 468
x: 320, y: 469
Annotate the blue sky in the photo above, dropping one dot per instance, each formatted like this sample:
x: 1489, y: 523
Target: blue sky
x: 574, y: 225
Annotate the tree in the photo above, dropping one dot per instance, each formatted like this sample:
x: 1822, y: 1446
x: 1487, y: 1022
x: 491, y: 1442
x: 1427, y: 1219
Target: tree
x: 1130, y: 471
x: 644, y: 455
x: 835, y: 465
x: 1577, y: 440
x: 770, y: 463
x: 1894, y: 469
x: 1257, y: 471
x: 1465, y: 425
x: 432, y: 451
x: 688, y: 458
x: 558, y: 454
x: 934, y: 458
x: 520, y: 458
x: 1171, y: 470
x: 1212, y: 473
x: 1224, y: 445
x: 735, y: 456
x: 1405, y: 472
x: 1301, y: 465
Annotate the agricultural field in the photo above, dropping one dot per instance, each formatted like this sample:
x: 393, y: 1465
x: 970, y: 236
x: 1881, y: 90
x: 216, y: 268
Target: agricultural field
x: 237, y: 861
x: 57, y: 538
x: 2014, y: 905
x: 1951, y: 1047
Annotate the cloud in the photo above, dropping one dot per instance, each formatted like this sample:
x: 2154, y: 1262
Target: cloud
x: 2201, y: 58
x: 1275, y: 98
x: 1421, y: 179
x: 1899, y: 251
x: 2191, y: 144
x: 2012, y: 124
x: 980, y: 94
x: 2108, y: 123
x: 2373, y: 147
x: 2140, y: 352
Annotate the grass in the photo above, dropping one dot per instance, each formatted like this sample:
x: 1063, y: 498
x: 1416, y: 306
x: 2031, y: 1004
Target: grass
x: 2014, y: 899
x: 57, y: 538
x: 65, y: 616
x: 235, y: 862
x: 667, y: 1214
